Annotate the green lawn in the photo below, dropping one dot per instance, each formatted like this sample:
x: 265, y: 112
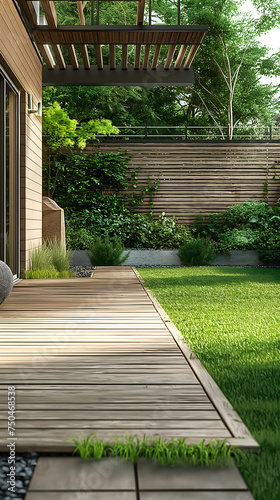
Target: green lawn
x: 230, y: 317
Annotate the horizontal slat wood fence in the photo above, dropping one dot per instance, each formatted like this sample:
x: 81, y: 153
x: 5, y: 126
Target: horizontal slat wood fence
x: 203, y: 177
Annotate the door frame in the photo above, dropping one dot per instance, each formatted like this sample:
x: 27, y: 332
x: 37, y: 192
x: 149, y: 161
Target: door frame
x: 4, y: 82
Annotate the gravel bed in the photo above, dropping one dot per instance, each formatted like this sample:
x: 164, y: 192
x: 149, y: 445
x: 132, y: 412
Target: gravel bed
x: 86, y: 271
x: 82, y: 271
x: 24, y: 467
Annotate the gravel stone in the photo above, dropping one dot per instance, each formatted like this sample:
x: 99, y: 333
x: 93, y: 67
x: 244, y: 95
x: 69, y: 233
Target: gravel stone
x: 82, y: 271
x: 25, y: 465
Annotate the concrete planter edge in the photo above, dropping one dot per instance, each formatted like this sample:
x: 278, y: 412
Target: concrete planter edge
x: 168, y: 257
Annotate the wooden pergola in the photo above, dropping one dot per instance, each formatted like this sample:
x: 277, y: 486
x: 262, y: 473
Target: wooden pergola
x: 51, y: 37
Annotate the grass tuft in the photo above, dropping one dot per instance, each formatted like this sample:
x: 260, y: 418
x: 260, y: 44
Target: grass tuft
x: 174, y: 452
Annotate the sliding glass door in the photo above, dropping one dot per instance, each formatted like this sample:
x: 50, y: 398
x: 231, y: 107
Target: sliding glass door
x: 9, y: 174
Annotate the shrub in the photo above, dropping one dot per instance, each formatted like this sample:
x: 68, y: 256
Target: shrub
x: 46, y: 273
x: 40, y: 258
x: 270, y: 242
x: 60, y: 257
x: 166, y: 233
x: 238, y: 239
x: 79, y: 238
x: 51, y: 260
x: 271, y: 256
x: 246, y: 213
x: 107, y: 252
x: 199, y: 252
x: 135, y: 230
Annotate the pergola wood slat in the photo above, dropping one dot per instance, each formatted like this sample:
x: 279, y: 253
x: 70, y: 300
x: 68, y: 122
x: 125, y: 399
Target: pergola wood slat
x: 191, y: 55
x: 99, y: 56
x: 85, y: 57
x: 73, y: 56
x: 112, y: 55
x: 146, y: 56
x: 140, y: 12
x: 169, y: 56
x: 119, y: 35
x: 155, y: 57
x: 137, y: 57
x: 59, y: 56
x: 124, y: 56
x: 50, y: 13
x: 47, y: 56
x: 180, y: 57
x: 83, y: 48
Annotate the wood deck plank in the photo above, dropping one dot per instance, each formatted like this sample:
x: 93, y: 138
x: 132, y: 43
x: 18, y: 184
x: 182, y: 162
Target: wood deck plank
x: 95, y: 354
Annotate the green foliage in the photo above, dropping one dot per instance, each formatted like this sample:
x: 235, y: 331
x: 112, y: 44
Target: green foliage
x: 46, y: 273
x: 62, y: 131
x: 199, y: 252
x: 40, y: 258
x: 231, y: 323
x: 107, y: 252
x: 270, y: 256
x: 51, y: 260
x: 88, y: 131
x: 59, y: 127
x: 254, y: 102
x: 247, y: 213
x: 173, y: 452
x: 49, y: 273
x: 269, y: 237
x: 251, y: 225
x: 239, y: 239
x: 166, y: 233
x: 80, y: 175
x: 60, y: 257
x: 135, y: 230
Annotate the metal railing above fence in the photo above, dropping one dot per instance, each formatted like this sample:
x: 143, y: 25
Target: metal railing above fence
x: 188, y: 133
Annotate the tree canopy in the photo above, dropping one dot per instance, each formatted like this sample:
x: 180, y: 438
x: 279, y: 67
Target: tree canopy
x: 230, y: 50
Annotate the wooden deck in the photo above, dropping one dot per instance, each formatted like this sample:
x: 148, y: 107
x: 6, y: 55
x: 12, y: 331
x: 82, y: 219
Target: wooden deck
x: 96, y: 354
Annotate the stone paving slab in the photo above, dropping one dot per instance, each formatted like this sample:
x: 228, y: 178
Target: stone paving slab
x: 152, y: 476
x: 74, y: 474
x: 82, y: 495
x: 193, y: 495
x: 70, y: 478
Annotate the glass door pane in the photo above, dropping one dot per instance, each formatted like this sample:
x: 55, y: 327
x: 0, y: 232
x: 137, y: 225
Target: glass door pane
x: 9, y: 174
x: 11, y: 180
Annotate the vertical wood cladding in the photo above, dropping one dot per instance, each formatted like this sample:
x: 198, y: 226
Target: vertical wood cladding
x: 21, y: 62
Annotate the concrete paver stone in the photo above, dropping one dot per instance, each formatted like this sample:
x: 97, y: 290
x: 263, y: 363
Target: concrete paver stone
x: 193, y: 495
x: 72, y: 473
x: 152, y: 476
x: 82, y: 495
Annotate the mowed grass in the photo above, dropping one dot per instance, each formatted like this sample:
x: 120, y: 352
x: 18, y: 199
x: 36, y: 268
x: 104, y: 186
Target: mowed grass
x: 230, y: 317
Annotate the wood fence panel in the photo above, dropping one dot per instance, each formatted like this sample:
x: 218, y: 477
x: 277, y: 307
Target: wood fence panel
x: 202, y: 177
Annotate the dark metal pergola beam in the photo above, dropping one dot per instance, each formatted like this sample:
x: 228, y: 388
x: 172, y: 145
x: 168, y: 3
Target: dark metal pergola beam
x: 142, y: 78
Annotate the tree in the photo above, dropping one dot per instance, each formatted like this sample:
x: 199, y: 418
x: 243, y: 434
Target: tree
x: 62, y: 132
x: 207, y: 102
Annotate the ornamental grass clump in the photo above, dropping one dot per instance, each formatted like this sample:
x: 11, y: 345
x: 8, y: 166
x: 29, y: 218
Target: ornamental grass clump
x: 60, y: 257
x: 51, y: 260
x: 107, y: 251
x: 199, y: 252
x: 174, y: 452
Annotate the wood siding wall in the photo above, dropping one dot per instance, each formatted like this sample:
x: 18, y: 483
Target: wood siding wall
x: 203, y: 177
x: 21, y: 61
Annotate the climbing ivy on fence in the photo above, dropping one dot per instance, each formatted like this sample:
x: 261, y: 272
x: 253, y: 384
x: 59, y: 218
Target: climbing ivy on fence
x: 96, y: 183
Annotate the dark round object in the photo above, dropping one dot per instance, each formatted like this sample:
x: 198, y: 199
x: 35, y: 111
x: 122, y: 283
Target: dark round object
x: 6, y: 281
